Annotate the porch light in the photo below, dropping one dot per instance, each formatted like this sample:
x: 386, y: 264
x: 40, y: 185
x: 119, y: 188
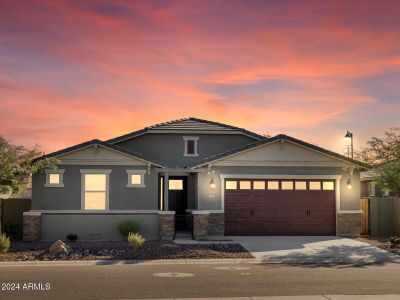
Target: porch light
x: 349, y: 185
x: 212, y: 184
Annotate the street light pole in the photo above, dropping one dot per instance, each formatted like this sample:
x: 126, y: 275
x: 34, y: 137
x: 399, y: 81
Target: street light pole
x: 350, y: 136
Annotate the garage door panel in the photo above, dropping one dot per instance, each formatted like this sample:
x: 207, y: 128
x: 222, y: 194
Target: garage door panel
x: 280, y: 212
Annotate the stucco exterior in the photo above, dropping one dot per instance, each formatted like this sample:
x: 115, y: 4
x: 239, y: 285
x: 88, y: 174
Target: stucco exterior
x: 172, y: 145
x: 210, y: 199
x: 121, y: 197
x: 161, y: 154
x: 96, y: 226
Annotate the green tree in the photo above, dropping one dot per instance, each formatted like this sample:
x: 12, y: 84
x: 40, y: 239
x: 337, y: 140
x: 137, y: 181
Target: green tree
x: 383, y: 154
x: 18, y: 163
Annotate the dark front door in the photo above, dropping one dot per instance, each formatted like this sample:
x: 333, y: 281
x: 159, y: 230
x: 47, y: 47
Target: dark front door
x: 177, y: 199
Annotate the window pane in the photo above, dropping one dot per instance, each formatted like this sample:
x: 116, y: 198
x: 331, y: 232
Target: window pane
x: 190, y: 147
x: 287, y: 185
x: 95, y: 182
x: 176, y: 184
x: 136, y: 179
x: 54, y: 178
x: 315, y: 185
x: 245, y: 185
x: 230, y: 185
x: 300, y: 185
x: 273, y: 185
x: 328, y: 186
x: 95, y: 200
x: 259, y: 185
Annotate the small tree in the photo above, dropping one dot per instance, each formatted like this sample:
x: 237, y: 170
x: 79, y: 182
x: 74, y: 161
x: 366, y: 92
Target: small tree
x: 384, y: 155
x: 16, y: 164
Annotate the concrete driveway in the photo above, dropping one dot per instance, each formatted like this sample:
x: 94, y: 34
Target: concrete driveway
x: 324, y: 250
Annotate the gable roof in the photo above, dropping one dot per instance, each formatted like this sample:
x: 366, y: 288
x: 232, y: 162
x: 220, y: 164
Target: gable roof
x: 187, y: 124
x: 103, y: 144
x: 279, y: 137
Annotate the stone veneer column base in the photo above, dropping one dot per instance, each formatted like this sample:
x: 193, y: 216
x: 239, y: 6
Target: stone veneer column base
x: 167, y: 225
x: 216, y: 224
x: 31, y: 226
x: 200, y: 224
x: 349, y: 224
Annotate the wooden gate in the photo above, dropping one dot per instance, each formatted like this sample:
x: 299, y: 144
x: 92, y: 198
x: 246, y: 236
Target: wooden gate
x: 364, y: 204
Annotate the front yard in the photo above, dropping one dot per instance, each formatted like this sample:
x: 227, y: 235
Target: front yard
x: 381, y: 242
x: 29, y: 251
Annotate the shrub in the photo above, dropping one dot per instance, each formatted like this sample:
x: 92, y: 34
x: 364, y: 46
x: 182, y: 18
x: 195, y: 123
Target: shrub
x: 127, y: 226
x: 13, y: 231
x: 4, y: 243
x: 395, y: 240
x: 72, y: 237
x: 135, y: 239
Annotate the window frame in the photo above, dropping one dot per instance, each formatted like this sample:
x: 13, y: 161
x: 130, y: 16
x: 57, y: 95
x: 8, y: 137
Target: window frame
x: 60, y: 172
x: 185, y: 150
x: 83, y: 191
x: 136, y: 172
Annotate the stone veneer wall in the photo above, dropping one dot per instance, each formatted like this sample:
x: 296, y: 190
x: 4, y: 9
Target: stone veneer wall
x: 31, y: 226
x: 216, y: 224
x: 167, y: 226
x: 200, y: 225
x: 349, y: 224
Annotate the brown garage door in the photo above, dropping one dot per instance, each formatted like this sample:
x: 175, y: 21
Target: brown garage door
x: 279, y: 207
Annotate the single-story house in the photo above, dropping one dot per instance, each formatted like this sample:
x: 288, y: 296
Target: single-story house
x: 199, y: 176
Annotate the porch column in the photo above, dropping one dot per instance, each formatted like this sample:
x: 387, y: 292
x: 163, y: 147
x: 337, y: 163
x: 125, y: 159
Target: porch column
x: 166, y: 188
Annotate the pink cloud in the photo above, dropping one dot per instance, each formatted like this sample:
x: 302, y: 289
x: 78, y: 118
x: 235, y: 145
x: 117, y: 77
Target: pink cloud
x: 80, y: 70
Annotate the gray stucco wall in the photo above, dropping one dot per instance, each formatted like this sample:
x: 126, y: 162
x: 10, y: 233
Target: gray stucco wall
x: 210, y: 199
x: 169, y: 148
x: 120, y: 196
x: 98, y: 226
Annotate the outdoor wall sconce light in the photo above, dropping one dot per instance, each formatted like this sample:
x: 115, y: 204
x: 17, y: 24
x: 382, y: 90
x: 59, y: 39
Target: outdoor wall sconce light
x: 212, y: 184
x: 349, y: 185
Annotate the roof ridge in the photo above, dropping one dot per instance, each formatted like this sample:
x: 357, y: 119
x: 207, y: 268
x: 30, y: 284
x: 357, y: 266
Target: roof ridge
x: 272, y: 139
x: 159, y: 126
x: 101, y: 143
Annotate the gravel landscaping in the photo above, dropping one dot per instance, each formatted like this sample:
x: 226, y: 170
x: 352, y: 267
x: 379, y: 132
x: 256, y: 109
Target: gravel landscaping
x: 29, y: 251
x: 381, y: 242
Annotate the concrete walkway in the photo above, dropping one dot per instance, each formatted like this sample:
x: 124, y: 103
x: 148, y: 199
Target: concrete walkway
x: 314, y: 250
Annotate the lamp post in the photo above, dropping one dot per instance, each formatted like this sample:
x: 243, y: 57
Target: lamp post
x: 349, y: 135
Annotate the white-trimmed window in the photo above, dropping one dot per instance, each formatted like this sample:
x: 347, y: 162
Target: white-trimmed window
x: 54, y: 178
x: 95, y: 189
x: 190, y: 148
x: 136, y: 178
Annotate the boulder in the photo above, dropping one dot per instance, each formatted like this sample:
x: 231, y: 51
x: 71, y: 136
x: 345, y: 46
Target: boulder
x: 59, y: 247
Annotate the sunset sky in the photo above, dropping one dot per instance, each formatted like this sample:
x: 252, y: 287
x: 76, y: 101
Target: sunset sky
x: 71, y: 71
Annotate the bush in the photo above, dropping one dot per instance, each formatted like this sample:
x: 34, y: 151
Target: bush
x: 128, y: 226
x: 135, y: 239
x: 395, y: 240
x: 72, y: 237
x: 13, y: 231
x: 4, y: 243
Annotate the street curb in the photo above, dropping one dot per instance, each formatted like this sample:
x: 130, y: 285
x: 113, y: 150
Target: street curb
x: 128, y: 262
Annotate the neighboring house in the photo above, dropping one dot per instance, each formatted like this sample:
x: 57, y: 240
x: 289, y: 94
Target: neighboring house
x: 369, y: 188
x: 218, y: 178
x: 25, y: 191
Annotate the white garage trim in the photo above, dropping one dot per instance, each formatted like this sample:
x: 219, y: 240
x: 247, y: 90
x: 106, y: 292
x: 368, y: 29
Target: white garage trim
x: 337, y: 178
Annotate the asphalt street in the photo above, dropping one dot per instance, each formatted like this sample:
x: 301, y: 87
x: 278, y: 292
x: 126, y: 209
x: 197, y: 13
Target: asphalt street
x: 194, y: 280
